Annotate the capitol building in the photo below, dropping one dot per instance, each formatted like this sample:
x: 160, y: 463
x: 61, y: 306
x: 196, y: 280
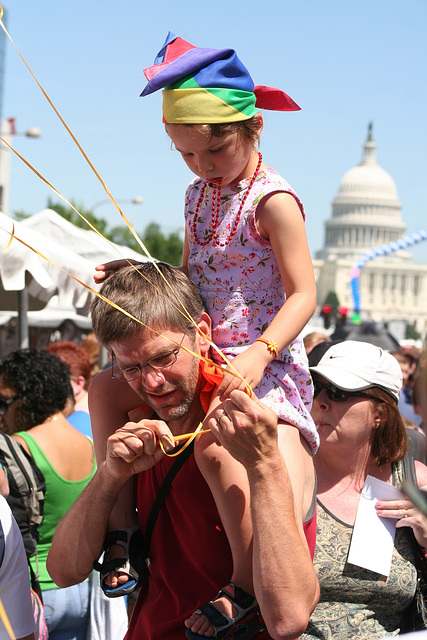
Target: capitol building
x: 366, y: 213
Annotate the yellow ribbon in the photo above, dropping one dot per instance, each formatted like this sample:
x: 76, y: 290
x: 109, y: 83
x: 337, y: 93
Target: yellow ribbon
x: 6, y: 622
x: 182, y: 308
x: 184, y: 311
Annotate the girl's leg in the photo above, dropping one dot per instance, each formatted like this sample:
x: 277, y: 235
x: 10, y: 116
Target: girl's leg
x: 228, y: 483
x: 110, y: 402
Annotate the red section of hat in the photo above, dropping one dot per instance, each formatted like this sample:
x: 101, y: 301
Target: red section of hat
x: 174, y: 50
x: 274, y: 99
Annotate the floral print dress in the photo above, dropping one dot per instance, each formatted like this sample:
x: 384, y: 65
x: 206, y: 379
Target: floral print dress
x: 242, y: 289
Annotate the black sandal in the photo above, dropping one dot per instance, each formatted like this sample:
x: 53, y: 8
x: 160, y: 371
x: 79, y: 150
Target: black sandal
x: 244, y: 626
x: 132, y: 562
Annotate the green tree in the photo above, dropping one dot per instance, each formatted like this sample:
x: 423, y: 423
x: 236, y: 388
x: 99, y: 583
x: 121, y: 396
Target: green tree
x: 123, y: 235
x: 332, y: 301
x: 411, y: 332
x: 167, y: 248
x: 164, y: 248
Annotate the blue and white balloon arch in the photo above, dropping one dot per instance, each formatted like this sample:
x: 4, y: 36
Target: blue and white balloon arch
x: 383, y: 250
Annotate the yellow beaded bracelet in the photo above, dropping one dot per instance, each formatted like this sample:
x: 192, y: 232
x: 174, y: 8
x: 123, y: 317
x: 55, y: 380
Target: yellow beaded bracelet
x: 271, y: 346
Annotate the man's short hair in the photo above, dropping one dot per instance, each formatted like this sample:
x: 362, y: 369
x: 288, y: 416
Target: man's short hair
x: 154, y: 300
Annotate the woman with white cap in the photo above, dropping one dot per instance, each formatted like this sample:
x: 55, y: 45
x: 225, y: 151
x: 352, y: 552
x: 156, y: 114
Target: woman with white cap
x: 357, y: 388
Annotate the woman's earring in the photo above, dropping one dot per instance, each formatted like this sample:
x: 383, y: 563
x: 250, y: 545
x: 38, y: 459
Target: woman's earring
x: 377, y: 423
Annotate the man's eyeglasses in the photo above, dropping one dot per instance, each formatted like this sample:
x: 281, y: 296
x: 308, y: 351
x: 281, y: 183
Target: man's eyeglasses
x: 162, y: 361
x: 5, y: 404
x: 338, y: 395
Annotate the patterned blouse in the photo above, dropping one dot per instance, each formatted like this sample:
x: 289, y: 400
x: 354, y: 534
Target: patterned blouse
x: 355, y: 602
x: 242, y: 289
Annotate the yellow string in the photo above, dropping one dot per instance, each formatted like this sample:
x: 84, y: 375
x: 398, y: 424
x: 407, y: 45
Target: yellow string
x: 190, y: 437
x: 183, y: 309
x: 116, y: 306
x: 6, y: 622
x: 230, y: 366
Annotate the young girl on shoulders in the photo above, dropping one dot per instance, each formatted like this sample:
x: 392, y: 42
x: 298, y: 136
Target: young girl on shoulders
x: 246, y: 250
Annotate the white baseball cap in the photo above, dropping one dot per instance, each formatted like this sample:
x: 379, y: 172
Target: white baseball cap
x: 352, y: 365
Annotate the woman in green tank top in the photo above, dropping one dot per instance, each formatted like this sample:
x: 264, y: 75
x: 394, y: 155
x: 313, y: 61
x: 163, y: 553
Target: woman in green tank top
x: 39, y: 384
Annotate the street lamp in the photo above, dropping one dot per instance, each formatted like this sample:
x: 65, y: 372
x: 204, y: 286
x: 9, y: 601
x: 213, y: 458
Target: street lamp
x: 8, y: 129
x: 32, y: 132
x: 135, y: 200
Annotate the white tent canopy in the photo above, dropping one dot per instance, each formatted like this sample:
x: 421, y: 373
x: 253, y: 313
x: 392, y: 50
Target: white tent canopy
x: 87, y: 243
x: 35, y: 279
x: 21, y: 268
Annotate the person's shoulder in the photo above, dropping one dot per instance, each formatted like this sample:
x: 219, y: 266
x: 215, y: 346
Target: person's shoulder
x: 273, y: 177
x: 279, y: 195
x: 80, y: 420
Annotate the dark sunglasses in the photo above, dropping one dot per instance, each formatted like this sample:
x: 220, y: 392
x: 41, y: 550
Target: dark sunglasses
x: 5, y: 404
x: 338, y: 395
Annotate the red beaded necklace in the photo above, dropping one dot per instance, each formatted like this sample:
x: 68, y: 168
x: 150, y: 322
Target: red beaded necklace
x: 216, y: 205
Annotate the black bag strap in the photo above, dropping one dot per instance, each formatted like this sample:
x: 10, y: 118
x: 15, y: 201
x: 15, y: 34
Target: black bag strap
x: 409, y: 473
x: 410, y: 478
x: 35, y: 584
x: 165, y: 486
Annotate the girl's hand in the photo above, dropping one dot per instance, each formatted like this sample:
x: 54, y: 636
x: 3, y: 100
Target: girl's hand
x: 105, y: 270
x: 250, y: 364
x: 407, y: 515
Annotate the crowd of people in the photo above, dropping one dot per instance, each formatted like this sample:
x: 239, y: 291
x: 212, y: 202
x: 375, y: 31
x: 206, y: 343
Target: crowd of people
x: 218, y: 470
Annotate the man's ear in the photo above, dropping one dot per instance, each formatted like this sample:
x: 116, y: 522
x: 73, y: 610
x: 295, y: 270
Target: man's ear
x: 205, y: 325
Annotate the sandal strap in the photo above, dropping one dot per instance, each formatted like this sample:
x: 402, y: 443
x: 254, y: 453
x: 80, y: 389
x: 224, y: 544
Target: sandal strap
x: 133, y: 562
x: 121, y: 565
x: 241, y: 598
x: 215, y: 617
x: 121, y: 537
x: 247, y: 623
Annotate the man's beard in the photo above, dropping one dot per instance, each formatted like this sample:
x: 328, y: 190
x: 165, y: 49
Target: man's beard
x: 188, y: 388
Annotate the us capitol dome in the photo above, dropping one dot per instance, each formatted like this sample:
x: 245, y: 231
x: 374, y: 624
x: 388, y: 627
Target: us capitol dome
x: 366, y: 213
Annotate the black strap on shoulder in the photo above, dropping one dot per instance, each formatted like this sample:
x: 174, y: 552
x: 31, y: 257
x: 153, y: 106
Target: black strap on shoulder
x: 409, y: 473
x: 410, y: 485
x: 161, y: 495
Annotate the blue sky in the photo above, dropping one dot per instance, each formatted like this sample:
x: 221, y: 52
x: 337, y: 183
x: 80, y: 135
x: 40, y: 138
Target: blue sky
x: 345, y: 63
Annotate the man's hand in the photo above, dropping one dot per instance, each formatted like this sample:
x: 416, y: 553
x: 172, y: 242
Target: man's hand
x: 135, y: 447
x: 246, y: 428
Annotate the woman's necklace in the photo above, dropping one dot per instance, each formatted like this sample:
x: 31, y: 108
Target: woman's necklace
x: 216, y: 205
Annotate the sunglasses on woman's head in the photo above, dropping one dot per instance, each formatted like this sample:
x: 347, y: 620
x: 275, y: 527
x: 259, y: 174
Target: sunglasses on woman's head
x: 336, y: 394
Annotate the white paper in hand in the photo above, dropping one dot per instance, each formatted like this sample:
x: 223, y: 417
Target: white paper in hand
x: 373, y: 537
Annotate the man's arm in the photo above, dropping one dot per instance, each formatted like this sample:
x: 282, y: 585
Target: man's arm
x: 285, y: 582
x: 284, y: 577
x: 80, y: 535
